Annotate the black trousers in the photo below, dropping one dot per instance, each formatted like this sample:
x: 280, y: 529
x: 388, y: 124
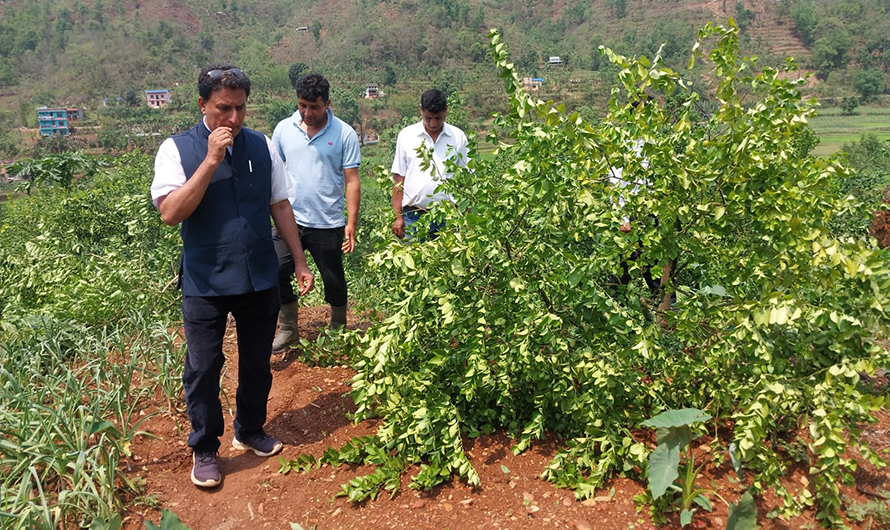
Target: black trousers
x: 204, y: 320
x: 325, y: 246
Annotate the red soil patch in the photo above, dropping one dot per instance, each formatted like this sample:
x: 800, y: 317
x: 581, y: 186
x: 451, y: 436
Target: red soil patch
x: 307, y: 410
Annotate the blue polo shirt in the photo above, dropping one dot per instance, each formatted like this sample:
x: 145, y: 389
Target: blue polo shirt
x: 315, y: 167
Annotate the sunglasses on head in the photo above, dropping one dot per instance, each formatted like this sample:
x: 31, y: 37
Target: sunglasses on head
x: 217, y: 74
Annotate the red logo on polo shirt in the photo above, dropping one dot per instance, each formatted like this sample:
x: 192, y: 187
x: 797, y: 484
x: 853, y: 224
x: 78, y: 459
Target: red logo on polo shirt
x: 330, y: 143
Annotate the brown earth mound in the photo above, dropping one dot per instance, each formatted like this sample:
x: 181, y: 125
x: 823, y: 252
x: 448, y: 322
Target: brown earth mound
x: 308, y: 411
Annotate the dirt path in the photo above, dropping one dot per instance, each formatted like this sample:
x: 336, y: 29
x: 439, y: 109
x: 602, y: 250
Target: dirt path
x: 307, y: 410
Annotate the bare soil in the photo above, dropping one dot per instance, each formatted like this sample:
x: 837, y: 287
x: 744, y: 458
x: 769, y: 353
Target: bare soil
x: 308, y: 410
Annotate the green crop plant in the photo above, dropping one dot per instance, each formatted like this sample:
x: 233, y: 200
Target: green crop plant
x: 666, y: 472
x: 509, y: 319
x: 87, y: 305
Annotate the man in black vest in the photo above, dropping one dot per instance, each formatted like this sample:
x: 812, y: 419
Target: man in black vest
x: 222, y: 182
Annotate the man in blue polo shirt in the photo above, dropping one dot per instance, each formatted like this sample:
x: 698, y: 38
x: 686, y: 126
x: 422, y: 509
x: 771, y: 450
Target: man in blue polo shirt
x: 322, y: 156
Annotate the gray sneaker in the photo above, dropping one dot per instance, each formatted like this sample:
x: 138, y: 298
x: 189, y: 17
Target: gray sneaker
x: 205, y: 471
x: 259, y: 442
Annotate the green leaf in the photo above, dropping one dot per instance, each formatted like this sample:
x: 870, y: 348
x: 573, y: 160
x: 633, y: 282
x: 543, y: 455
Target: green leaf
x: 743, y: 515
x: 704, y: 502
x: 505, y: 469
x: 112, y: 524
x: 169, y: 521
x: 734, y: 459
x: 686, y: 517
x: 574, y: 278
x: 677, y: 418
x: 663, y: 462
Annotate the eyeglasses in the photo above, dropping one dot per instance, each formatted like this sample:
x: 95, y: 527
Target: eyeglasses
x: 217, y: 74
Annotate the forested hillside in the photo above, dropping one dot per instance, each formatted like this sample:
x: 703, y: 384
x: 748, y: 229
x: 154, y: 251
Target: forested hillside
x: 79, y: 52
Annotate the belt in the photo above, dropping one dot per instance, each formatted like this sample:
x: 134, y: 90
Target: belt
x: 414, y: 209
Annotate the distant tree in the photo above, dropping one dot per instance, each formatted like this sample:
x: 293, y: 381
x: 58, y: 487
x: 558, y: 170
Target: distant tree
x: 345, y: 105
x: 9, y: 147
x: 576, y: 13
x: 205, y: 39
x: 744, y: 16
x: 45, y: 98
x: 478, y: 52
x: 295, y: 71
x: 478, y: 20
x: 805, y: 19
x: 825, y: 57
x: 99, y: 13
x: 111, y: 137
x: 527, y: 62
x: 62, y: 26
x: 389, y: 75
x: 869, y: 83
x: 848, y: 105
x: 315, y: 28
x: 7, y: 74
x: 446, y: 87
x: 130, y: 97
x: 277, y: 110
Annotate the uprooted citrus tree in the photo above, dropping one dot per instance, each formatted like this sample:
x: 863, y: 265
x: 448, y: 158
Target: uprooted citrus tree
x: 511, y: 319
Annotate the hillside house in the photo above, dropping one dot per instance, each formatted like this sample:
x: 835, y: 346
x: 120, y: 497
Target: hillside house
x: 53, y: 121
x: 157, y: 98
x: 372, y: 91
x: 532, y: 84
x: 554, y: 60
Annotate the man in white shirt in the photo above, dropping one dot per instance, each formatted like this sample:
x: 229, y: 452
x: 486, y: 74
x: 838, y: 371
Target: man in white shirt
x: 222, y: 182
x: 414, y: 189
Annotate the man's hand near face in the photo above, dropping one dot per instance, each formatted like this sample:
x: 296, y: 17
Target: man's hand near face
x: 219, y: 139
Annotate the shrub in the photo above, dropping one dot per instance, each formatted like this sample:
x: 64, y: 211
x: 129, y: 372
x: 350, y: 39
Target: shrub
x: 509, y: 321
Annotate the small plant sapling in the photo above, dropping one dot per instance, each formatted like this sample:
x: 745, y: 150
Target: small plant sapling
x: 673, y: 434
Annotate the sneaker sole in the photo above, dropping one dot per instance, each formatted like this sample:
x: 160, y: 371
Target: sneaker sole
x: 244, y: 447
x: 206, y: 484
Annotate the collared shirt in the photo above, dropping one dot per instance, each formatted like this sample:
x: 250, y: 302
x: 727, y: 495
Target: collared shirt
x: 420, y: 186
x: 169, y: 175
x: 315, y: 167
x: 625, y: 187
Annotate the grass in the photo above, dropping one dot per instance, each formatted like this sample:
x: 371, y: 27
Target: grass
x: 835, y: 129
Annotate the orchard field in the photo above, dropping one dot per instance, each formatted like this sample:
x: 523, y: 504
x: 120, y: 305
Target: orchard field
x: 500, y: 363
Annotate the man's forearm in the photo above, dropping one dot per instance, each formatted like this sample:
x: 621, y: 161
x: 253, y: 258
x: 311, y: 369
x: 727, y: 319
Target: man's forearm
x: 398, y: 192
x: 180, y: 203
x: 353, y: 196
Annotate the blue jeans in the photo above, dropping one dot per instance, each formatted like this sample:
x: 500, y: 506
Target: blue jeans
x: 413, y: 228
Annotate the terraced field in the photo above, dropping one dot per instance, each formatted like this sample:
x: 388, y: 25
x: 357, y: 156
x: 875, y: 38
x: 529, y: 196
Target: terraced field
x: 834, y: 129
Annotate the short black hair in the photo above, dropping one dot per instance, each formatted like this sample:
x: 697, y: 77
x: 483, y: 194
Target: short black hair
x: 434, y: 100
x: 207, y: 85
x: 313, y: 86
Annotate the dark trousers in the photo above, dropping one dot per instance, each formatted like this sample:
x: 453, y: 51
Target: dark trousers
x: 204, y: 320
x: 325, y: 246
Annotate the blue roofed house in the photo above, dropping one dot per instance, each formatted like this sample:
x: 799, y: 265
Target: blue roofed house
x: 53, y: 121
x: 157, y: 98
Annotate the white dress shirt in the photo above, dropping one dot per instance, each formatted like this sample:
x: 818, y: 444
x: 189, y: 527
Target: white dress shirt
x: 169, y: 175
x: 420, y: 186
